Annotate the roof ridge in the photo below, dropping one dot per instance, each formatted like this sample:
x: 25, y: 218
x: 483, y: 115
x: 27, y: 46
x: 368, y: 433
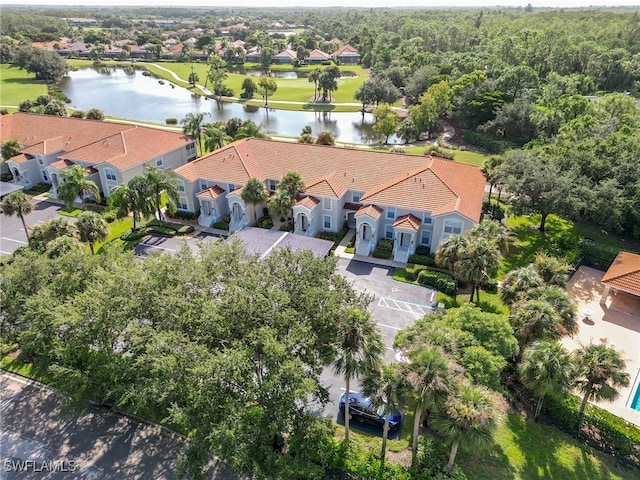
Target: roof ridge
x: 400, y: 178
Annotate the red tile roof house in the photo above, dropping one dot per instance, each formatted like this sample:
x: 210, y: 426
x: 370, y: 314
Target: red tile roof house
x: 317, y: 57
x: 113, y: 152
x: 347, y: 55
x: 412, y: 200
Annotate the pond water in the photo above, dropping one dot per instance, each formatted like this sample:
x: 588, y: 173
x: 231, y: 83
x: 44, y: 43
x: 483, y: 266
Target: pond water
x: 132, y: 95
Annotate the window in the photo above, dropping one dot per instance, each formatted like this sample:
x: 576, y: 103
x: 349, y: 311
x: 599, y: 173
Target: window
x: 182, y: 203
x: 326, y: 203
x: 203, y: 185
x: 391, y: 213
x: 355, y: 197
x: 232, y: 187
x: 388, y: 232
x: 191, y: 151
x: 452, y: 227
x: 44, y: 175
x: 40, y: 160
x: 180, y: 184
x: 158, y: 162
x: 327, y: 222
x: 273, y: 185
x: 425, y: 239
x: 110, y: 174
x: 426, y: 219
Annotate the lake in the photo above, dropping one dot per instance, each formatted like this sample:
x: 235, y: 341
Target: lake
x: 132, y: 95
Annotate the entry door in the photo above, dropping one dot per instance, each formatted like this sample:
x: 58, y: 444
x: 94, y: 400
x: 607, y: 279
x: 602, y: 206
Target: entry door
x: 366, y: 232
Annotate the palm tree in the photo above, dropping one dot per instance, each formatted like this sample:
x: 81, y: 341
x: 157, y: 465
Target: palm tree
x: 254, y: 193
x: 428, y: 376
x: 386, y: 386
x: 215, y: 136
x: 553, y: 270
x: 490, y: 170
x: 359, y: 351
x: 560, y: 300
x: 10, y: 149
x: 159, y: 181
x: 134, y: 198
x: 517, y: 284
x: 249, y: 129
x: 479, y: 262
x: 546, y: 368
x: 293, y: 185
x: 92, y: 228
x: 193, y: 126
x: 449, y: 252
x: 535, y: 320
x: 493, y: 231
x: 315, y: 78
x: 19, y: 204
x: 600, y: 372
x: 76, y: 184
x: 280, y: 204
x: 468, y: 420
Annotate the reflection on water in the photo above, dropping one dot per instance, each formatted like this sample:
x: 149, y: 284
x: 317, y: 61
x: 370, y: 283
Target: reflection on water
x: 140, y: 97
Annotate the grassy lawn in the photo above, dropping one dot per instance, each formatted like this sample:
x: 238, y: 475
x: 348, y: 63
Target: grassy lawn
x: 116, y: 228
x: 526, y: 450
x: 25, y: 369
x: 462, y: 156
x: 70, y: 211
x: 17, y: 85
x: 560, y: 235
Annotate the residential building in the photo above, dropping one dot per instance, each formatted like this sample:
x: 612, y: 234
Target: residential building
x: 317, y: 57
x: 409, y: 199
x: 347, y: 55
x: 112, y: 153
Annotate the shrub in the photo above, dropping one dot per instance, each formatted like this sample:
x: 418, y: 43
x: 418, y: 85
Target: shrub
x: 109, y: 215
x: 185, y: 215
x: 489, y: 286
x: 597, y: 255
x: 185, y: 229
x: 335, y: 237
x: 427, y: 260
x: 286, y: 227
x: 600, y: 428
x: 265, y: 222
x: 377, y: 253
x: 171, y: 121
x: 227, y: 218
x: 413, y: 270
x: 440, y: 281
x: 488, y: 142
x: 221, y: 225
x: 40, y: 188
x: 385, y: 244
x: 422, y: 250
x: 130, y: 235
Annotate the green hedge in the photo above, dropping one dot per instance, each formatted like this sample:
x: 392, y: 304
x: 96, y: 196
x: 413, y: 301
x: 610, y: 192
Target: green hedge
x: 597, y: 255
x: 131, y: 235
x: 440, y: 281
x: 385, y: 245
x: 221, y: 225
x: 413, y: 270
x: 177, y: 228
x: 386, y: 254
x: 427, y: 260
x: 600, y: 428
x: 335, y: 237
x: 265, y: 222
x: 489, y: 142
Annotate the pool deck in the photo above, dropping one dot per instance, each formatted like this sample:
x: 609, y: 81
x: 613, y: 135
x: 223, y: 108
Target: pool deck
x: 616, y: 319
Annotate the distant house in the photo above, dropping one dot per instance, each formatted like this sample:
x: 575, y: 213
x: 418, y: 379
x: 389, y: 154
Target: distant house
x: 253, y: 55
x: 411, y: 200
x: 346, y: 55
x: 317, y: 57
x: 285, y: 57
x: 82, y: 22
x: 112, y: 153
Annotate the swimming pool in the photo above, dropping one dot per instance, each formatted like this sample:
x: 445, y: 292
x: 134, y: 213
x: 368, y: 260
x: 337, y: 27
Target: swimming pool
x: 635, y: 403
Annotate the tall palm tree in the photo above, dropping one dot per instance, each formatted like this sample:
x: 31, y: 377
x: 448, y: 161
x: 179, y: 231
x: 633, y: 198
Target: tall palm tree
x: 560, y: 300
x: 293, y: 185
x: 76, y: 184
x: 19, y: 204
x: 280, y: 204
x: 449, y: 252
x: 493, y: 231
x: 193, y: 126
x: 518, y: 283
x: 535, y: 320
x: 546, y: 368
x: 215, y: 136
x: 468, y: 420
x: 479, y: 262
x: 359, y: 350
x: 134, y: 198
x: 314, y: 77
x: 10, y: 149
x: 386, y: 386
x: 490, y: 170
x: 92, y: 228
x: 254, y: 193
x: 249, y: 129
x: 159, y: 181
x: 600, y: 372
x: 428, y: 376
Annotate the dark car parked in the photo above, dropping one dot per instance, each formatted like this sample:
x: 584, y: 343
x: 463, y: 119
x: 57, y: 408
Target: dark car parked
x: 361, y: 409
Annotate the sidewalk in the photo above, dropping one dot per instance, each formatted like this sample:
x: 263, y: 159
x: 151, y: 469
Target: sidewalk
x: 340, y: 253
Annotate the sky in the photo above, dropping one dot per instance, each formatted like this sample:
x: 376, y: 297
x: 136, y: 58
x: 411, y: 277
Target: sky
x: 330, y: 3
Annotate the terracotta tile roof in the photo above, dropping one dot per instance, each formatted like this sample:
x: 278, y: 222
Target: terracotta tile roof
x: 288, y: 54
x: 21, y: 158
x: 345, y: 50
x: 62, y: 164
x: 89, y: 141
x: 309, y: 202
x: 318, y: 54
x: 624, y: 273
x: 237, y: 191
x: 408, y: 181
x: 408, y: 221
x: 211, y: 192
x: 327, y: 186
x: 371, y: 210
x: 352, y: 206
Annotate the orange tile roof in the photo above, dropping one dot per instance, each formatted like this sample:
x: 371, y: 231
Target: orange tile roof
x: 90, y: 141
x: 211, y: 192
x: 319, y: 54
x: 309, y: 202
x: 352, y: 206
x: 408, y: 181
x: 327, y: 186
x: 624, y: 273
x: 372, y: 210
x: 345, y: 49
x: 408, y: 221
x: 21, y: 158
x: 61, y: 164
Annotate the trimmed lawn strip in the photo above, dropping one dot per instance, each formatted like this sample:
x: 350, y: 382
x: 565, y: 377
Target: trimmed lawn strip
x: 14, y: 365
x: 527, y: 450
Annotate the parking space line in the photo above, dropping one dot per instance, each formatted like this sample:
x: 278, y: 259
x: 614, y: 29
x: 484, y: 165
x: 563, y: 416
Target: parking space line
x: 389, y: 326
x: 154, y: 246
x: 404, y: 306
x: 12, y: 240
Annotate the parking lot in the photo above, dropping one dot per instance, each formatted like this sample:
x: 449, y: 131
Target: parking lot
x: 156, y: 243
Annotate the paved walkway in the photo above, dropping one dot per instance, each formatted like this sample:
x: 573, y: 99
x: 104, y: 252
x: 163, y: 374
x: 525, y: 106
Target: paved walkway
x: 340, y: 252
x: 615, y: 322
